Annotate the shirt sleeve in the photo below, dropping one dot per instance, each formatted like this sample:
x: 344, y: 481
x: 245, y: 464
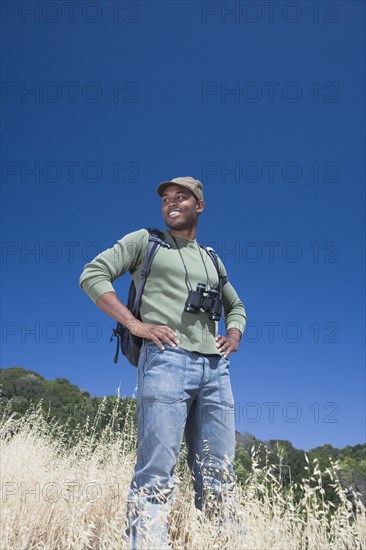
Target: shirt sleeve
x: 126, y: 255
x: 234, y: 310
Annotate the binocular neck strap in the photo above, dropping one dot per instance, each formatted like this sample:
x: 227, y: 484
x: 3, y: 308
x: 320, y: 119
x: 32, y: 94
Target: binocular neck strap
x: 188, y: 281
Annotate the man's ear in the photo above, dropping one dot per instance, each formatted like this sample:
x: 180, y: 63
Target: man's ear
x: 200, y: 206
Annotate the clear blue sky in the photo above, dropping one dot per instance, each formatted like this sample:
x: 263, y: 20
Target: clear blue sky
x: 265, y: 104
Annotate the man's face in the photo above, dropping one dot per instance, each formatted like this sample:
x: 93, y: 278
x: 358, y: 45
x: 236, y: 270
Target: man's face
x: 180, y: 208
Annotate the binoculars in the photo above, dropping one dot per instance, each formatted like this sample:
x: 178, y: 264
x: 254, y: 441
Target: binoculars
x: 208, y: 300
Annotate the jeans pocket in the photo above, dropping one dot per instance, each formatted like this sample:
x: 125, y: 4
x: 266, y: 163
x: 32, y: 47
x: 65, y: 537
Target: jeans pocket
x: 152, y: 353
x: 226, y: 393
x: 162, y: 375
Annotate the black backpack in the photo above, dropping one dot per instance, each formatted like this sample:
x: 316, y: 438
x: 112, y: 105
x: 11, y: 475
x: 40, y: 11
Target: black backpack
x: 129, y: 343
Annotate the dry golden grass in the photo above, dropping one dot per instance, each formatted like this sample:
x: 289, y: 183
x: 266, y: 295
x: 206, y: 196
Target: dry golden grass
x: 57, y: 495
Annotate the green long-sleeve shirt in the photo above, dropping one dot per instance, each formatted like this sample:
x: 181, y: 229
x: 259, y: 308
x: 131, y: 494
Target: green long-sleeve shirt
x: 166, y: 288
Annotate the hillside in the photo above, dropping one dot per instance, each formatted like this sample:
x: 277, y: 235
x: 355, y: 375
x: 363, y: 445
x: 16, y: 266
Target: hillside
x: 60, y: 400
x: 68, y: 404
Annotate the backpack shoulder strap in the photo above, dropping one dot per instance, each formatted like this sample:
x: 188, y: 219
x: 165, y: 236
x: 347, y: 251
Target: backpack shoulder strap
x: 156, y: 239
x: 214, y: 257
x: 223, y: 279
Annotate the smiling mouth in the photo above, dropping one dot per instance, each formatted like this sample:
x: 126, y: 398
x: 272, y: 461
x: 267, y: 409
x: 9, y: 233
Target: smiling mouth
x: 174, y: 213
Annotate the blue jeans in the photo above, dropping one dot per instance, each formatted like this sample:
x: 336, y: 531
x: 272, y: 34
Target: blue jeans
x: 179, y: 393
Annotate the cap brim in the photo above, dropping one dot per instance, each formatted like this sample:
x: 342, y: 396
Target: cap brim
x: 161, y: 186
x: 164, y: 184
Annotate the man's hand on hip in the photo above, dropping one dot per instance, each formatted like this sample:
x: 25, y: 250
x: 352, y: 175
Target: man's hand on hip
x: 229, y: 343
x: 154, y: 333
x: 110, y: 304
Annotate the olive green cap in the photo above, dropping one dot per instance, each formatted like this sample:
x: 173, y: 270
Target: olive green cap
x: 188, y: 182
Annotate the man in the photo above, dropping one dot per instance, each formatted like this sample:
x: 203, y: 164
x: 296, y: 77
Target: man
x: 183, y: 372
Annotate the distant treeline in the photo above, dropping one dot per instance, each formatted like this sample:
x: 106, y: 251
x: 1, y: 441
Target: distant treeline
x: 62, y: 401
x: 74, y: 408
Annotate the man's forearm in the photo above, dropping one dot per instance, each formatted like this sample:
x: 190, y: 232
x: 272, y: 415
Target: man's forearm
x: 235, y: 334
x: 112, y: 306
